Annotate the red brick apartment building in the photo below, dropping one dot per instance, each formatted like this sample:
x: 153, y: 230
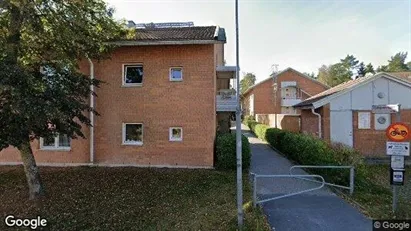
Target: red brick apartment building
x: 343, y: 113
x: 159, y: 105
x: 278, y: 93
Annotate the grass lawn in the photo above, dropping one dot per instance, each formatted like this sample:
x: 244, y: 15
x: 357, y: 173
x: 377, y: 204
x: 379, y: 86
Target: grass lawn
x: 375, y: 195
x: 84, y: 198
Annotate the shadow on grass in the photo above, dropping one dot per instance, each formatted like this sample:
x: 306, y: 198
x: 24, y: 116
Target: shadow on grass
x: 97, y: 198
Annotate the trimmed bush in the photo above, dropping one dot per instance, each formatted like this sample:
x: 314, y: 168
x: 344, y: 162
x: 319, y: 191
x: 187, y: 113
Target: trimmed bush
x: 309, y: 150
x: 260, y: 130
x: 274, y: 136
x: 249, y: 117
x: 226, y: 152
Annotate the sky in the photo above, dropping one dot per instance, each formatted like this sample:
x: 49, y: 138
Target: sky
x: 302, y: 34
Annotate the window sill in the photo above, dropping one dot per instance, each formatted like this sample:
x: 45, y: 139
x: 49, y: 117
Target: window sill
x: 56, y: 149
x: 132, y: 85
x: 132, y: 144
x: 176, y: 80
x: 176, y: 140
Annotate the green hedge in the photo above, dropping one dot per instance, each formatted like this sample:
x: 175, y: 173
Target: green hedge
x: 226, y: 152
x: 309, y: 150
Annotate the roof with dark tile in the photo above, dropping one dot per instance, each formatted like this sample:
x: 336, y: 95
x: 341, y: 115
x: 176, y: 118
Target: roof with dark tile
x: 180, y: 33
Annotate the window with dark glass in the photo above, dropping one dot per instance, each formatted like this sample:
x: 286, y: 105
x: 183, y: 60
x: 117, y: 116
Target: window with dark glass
x: 133, y: 74
x: 132, y: 133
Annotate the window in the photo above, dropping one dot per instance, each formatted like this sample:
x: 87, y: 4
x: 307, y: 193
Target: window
x: 133, y: 75
x: 176, y: 134
x: 176, y: 74
x: 133, y: 134
x: 60, y: 142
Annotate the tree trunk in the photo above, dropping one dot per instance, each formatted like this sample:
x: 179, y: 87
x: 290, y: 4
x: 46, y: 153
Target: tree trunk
x: 36, y: 189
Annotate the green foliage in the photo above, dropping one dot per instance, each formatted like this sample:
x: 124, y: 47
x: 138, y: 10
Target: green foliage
x: 349, y: 62
x: 311, y: 75
x: 274, y: 136
x: 247, y: 118
x: 369, y: 69
x: 247, y: 82
x: 226, y: 152
x: 361, y: 70
x: 53, y: 35
x: 260, y: 130
x: 397, y: 62
x: 42, y: 99
x: 309, y: 150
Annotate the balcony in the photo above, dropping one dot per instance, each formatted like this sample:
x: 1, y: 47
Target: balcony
x: 285, y: 84
x: 226, y: 100
x: 289, y: 102
x: 226, y: 72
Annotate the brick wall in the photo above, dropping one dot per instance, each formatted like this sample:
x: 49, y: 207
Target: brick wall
x: 325, y: 120
x: 371, y: 142
x: 159, y: 104
x: 309, y: 122
x: 268, y: 102
x: 281, y: 121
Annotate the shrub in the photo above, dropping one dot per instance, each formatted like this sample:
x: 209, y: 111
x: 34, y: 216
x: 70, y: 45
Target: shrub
x: 226, y: 152
x: 260, y: 130
x: 310, y: 150
x: 274, y: 136
x: 251, y: 124
x: 249, y: 117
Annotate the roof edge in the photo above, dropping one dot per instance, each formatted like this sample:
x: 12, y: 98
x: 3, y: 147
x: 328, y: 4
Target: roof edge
x: 169, y: 42
x: 328, y: 98
x: 282, y: 72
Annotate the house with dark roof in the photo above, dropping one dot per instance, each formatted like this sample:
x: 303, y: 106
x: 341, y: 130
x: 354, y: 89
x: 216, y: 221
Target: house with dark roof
x: 165, y: 92
x: 343, y: 114
x: 278, y: 93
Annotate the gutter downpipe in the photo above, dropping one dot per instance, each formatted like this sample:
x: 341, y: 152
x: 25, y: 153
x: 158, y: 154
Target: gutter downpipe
x: 319, y: 122
x: 91, y: 112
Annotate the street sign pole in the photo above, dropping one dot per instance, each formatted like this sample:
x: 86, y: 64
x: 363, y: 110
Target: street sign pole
x: 395, y: 187
x: 240, y: 214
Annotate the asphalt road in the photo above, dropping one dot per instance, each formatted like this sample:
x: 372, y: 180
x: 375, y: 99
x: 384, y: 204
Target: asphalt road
x: 319, y: 210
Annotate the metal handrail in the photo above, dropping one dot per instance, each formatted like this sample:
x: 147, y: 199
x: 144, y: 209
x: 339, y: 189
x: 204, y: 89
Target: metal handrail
x: 255, y: 176
x: 352, y: 175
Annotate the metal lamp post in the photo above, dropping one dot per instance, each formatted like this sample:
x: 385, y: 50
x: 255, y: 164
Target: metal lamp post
x: 240, y: 214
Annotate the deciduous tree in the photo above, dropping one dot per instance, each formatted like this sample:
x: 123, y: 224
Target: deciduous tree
x: 247, y: 82
x: 50, y: 36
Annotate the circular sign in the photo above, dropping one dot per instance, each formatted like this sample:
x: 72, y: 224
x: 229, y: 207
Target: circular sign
x: 397, y: 132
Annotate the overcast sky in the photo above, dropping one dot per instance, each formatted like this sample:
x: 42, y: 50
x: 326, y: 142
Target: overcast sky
x: 303, y: 34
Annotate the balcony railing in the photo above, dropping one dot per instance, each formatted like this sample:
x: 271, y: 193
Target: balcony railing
x: 226, y: 100
x: 289, y: 102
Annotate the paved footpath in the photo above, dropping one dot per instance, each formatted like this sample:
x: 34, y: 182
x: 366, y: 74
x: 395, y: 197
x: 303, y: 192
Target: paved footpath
x: 313, y: 211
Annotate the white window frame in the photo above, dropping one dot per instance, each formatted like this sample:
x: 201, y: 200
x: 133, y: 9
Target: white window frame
x: 171, y: 74
x: 137, y: 143
x: 124, y: 66
x: 56, y: 145
x: 170, y: 134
